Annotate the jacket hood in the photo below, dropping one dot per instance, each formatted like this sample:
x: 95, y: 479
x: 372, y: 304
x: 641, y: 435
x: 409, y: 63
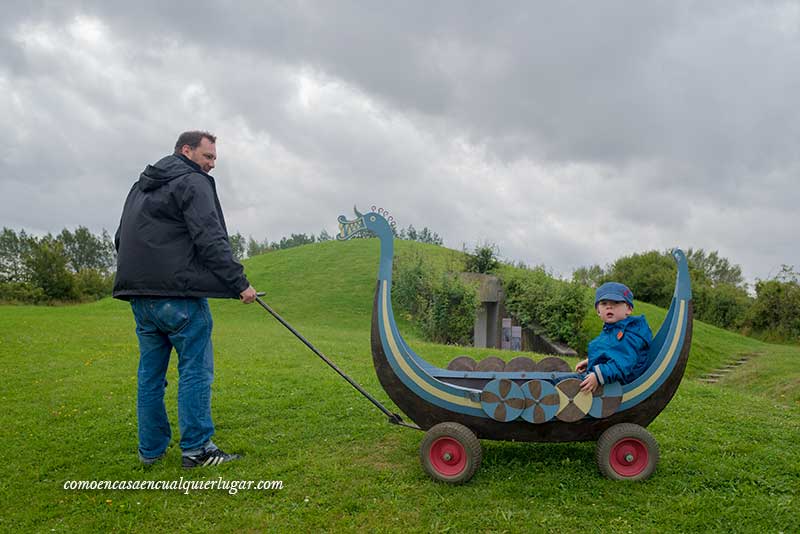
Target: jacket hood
x: 165, y: 170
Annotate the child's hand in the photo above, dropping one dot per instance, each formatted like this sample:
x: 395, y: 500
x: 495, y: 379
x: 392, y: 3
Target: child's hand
x: 589, y: 384
x: 582, y: 365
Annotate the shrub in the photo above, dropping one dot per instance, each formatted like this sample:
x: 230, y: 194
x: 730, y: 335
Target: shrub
x: 558, y: 307
x: 21, y: 292
x: 412, y: 284
x: 651, y: 276
x: 441, y: 305
x: 724, y: 305
x: 451, y: 313
x: 483, y: 260
x: 93, y: 284
x: 775, y: 314
x: 47, y: 263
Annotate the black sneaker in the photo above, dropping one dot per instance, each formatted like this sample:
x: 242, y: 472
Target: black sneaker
x: 212, y: 457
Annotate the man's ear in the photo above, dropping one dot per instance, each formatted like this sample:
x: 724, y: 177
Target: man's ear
x: 186, y: 150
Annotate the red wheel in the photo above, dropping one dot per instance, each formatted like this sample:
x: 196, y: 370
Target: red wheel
x: 451, y: 453
x: 627, y: 452
x: 629, y: 457
x: 447, y: 456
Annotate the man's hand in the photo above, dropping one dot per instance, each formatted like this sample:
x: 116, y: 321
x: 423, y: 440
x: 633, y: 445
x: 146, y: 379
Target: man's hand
x: 248, y: 296
x: 582, y: 365
x: 589, y: 383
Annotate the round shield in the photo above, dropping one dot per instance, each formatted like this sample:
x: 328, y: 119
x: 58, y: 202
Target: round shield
x: 520, y: 364
x: 542, y: 401
x: 573, y: 404
x: 551, y: 363
x: 490, y: 363
x: 606, y: 400
x: 502, y: 400
x: 462, y: 363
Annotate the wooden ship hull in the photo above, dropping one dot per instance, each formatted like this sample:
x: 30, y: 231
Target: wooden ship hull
x: 427, y: 414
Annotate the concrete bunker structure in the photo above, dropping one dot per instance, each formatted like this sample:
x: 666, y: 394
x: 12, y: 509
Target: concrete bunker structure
x: 495, y: 328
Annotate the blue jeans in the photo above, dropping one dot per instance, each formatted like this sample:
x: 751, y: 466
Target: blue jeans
x: 161, y: 324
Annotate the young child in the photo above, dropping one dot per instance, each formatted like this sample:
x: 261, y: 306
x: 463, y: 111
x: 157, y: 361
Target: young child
x: 619, y: 353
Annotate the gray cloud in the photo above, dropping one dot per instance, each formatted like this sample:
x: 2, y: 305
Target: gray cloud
x: 567, y: 133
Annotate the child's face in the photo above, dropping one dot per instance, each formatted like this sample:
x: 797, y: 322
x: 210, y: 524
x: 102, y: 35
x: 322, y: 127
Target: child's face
x: 611, y: 311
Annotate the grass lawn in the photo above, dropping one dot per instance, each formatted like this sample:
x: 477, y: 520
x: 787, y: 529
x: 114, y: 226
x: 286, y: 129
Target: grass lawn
x: 730, y: 453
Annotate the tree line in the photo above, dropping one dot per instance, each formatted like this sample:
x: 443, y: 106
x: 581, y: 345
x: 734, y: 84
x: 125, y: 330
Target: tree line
x: 68, y: 267
x: 770, y: 310
x: 247, y: 247
x: 720, y: 295
x: 79, y: 265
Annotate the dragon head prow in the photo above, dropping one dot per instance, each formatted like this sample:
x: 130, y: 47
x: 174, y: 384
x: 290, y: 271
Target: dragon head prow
x: 377, y: 221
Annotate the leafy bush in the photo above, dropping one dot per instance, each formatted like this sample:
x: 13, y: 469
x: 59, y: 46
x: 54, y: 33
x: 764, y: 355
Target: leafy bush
x: 21, y: 292
x: 483, y: 260
x: 724, y: 305
x: 451, y: 313
x: 775, y: 314
x: 440, y: 304
x: 94, y: 284
x: 47, y: 263
x: 558, y: 307
x: 412, y: 285
x: 651, y: 276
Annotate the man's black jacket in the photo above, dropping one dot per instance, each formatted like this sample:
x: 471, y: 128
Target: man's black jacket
x: 172, y: 240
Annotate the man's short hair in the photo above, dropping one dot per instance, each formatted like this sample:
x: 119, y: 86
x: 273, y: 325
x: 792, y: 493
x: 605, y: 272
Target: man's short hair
x: 192, y: 138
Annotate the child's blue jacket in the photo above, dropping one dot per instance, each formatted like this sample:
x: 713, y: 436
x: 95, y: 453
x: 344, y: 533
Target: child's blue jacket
x: 619, y: 353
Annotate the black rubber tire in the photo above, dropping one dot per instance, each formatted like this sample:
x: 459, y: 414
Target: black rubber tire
x: 638, y: 439
x: 470, y: 446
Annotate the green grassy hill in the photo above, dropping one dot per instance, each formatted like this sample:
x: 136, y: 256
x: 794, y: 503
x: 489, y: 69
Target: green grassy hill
x: 728, y: 463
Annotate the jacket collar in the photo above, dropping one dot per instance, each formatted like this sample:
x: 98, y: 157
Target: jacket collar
x: 623, y: 323
x: 192, y: 164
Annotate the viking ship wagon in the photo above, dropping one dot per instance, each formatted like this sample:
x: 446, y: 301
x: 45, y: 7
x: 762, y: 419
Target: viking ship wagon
x: 522, y: 400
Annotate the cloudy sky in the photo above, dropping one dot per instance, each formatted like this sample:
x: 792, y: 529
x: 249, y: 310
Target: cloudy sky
x: 567, y: 133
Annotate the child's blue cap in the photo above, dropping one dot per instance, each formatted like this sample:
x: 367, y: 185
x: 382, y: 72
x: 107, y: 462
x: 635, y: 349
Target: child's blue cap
x: 614, y: 291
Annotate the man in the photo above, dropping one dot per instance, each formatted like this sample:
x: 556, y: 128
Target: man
x: 172, y: 254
